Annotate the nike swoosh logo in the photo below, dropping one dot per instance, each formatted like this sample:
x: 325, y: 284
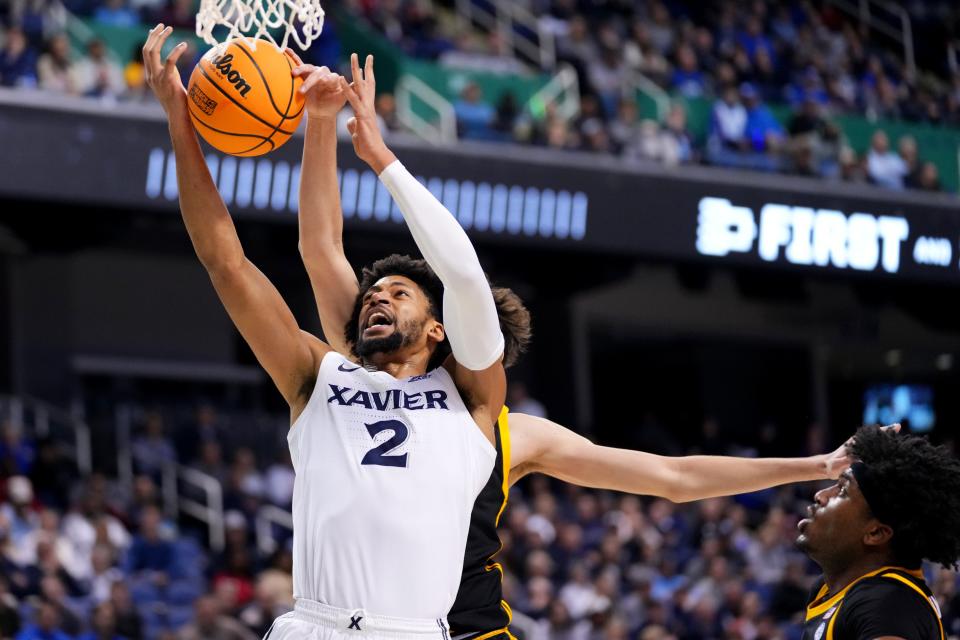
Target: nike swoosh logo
x: 342, y: 365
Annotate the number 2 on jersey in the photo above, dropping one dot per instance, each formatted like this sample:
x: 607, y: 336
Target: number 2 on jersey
x: 378, y: 455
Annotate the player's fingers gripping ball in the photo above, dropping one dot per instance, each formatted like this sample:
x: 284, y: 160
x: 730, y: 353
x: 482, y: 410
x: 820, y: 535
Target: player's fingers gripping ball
x: 244, y: 100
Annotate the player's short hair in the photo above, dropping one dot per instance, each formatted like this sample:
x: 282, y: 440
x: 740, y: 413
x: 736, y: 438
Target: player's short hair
x: 514, y: 317
x: 918, y: 486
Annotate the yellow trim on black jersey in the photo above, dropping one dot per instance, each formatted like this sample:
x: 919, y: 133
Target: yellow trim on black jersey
x: 504, y: 427
x: 925, y: 597
x: 506, y: 607
x: 814, y: 610
x: 493, y: 634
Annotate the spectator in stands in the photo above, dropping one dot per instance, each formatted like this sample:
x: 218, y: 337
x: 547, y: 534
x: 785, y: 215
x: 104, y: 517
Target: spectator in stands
x: 88, y: 523
x: 557, y: 134
x: 884, y: 167
x: 104, y: 574
x: 660, y: 27
x: 209, y: 624
x: 278, y: 479
x: 16, y: 454
x: 728, y: 123
x: 754, y: 40
x: 145, y: 494
x: 237, y: 576
x: 47, y: 547
x: 116, y: 13
x: 625, y: 128
x: 808, y: 85
x: 179, y: 14
x: 245, y: 486
x: 907, y: 150
x: 267, y: 605
x: 654, y: 143
x: 18, y: 61
x: 607, y: 74
x: 790, y: 595
x: 133, y: 75
x: 207, y: 427
x: 687, y: 79
x: 20, y: 514
x: 38, y: 18
x: 9, y: 611
x: 763, y: 131
x: 97, y: 75
x: 929, y: 179
x: 852, y: 168
x: 46, y: 625
x: 55, y: 69
x: 577, y: 47
x: 505, y: 120
x: 675, y: 129
x: 474, y: 116
x: 128, y: 620
x: 386, y: 106
x: 211, y: 461
x: 103, y: 624
x: 150, y: 553
x: 766, y: 77
x: 53, y: 474
x: 152, y: 450
x: 595, y: 137
x: 53, y: 590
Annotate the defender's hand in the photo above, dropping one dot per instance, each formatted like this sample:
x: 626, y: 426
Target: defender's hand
x: 163, y: 77
x: 363, y: 127
x: 837, y: 462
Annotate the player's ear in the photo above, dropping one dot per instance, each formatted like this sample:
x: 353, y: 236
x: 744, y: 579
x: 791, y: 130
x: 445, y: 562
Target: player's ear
x: 435, y: 331
x: 877, y: 534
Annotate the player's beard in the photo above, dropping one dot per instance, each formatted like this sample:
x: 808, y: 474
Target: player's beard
x: 404, y: 335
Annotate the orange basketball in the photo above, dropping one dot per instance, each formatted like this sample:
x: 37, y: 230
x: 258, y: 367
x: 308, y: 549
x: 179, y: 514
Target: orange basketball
x: 244, y: 100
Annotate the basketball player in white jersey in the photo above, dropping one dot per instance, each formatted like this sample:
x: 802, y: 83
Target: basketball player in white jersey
x: 530, y: 444
x: 390, y: 454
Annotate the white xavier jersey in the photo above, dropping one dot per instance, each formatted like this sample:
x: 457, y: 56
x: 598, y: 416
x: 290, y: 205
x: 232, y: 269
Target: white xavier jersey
x: 387, y: 471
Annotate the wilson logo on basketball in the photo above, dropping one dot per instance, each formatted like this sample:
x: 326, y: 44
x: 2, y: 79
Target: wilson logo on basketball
x: 222, y: 63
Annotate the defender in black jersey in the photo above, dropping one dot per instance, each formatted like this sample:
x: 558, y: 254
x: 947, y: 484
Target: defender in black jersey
x: 897, y: 504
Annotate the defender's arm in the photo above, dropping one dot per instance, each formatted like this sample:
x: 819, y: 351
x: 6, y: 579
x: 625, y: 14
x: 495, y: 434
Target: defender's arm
x: 539, y: 445
x: 332, y: 278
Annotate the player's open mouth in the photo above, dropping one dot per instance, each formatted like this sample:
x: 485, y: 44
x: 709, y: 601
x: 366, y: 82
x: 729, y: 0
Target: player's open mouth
x: 378, y: 323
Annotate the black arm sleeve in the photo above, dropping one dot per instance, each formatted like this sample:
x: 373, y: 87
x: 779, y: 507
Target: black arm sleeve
x: 885, y: 608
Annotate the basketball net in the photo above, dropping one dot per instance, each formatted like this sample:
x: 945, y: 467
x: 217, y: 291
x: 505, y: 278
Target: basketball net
x: 252, y: 19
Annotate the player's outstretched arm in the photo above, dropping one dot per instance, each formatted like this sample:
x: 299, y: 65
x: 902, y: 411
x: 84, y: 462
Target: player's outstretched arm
x: 333, y: 280
x: 290, y: 356
x: 469, y: 312
x: 539, y: 445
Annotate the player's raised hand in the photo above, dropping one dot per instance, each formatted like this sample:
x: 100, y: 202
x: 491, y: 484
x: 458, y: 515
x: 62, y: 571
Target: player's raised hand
x: 363, y: 126
x: 161, y: 76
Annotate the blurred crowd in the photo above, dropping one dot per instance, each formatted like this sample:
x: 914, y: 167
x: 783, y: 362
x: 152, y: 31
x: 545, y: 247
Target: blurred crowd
x: 89, y: 558
x: 86, y: 557
x: 741, y: 56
